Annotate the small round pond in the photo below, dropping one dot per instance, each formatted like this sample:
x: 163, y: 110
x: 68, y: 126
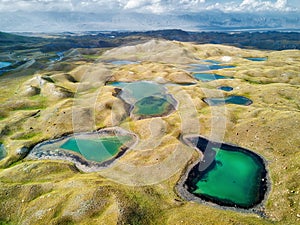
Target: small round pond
x: 234, y: 99
x: 225, y: 88
x: 226, y: 175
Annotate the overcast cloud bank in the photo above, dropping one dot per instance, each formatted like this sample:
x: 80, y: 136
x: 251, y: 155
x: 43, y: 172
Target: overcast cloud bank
x: 149, y: 6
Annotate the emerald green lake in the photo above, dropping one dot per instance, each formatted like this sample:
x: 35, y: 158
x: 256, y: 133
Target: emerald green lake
x: 233, y: 179
x: 234, y: 99
x: 227, y: 175
x: 98, y: 150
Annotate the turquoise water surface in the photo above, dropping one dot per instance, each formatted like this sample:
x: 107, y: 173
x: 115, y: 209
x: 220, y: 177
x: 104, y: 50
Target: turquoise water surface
x: 98, y: 150
x: 4, y: 64
x: 233, y: 179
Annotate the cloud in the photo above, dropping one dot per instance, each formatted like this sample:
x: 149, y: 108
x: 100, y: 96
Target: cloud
x: 162, y: 6
x: 154, y: 6
x: 145, y: 6
x: 253, y: 6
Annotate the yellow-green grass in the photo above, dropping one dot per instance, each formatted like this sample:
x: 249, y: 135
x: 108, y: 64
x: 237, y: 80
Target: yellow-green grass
x: 55, y: 192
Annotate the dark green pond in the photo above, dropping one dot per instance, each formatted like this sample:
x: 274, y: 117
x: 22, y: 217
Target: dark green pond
x: 234, y: 99
x: 225, y: 88
x: 98, y: 150
x: 235, y: 177
x: 205, y: 77
x: 152, y: 106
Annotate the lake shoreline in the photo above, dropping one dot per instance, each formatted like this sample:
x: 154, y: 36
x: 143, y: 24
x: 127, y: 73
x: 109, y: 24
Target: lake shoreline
x: 181, y: 188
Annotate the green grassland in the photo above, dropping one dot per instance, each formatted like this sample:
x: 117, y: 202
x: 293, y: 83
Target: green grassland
x: 140, y: 187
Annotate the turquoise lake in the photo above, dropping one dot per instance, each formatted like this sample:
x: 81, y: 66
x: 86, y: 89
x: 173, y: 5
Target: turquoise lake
x: 98, y: 150
x: 235, y: 177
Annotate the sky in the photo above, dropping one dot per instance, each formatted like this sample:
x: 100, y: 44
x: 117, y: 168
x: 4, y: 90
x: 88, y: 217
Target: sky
x: 151, y: 6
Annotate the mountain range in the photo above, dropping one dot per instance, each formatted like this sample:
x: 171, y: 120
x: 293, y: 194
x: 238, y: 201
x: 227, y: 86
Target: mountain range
x: 20, y: 21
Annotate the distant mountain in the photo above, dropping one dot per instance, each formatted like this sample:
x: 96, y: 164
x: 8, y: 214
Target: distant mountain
x: 205, y: 21
x: 271, y: 40
x: 12, y: 41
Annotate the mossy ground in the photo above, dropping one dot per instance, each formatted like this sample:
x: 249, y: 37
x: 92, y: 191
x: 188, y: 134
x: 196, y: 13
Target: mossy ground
x: 137, y: 189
